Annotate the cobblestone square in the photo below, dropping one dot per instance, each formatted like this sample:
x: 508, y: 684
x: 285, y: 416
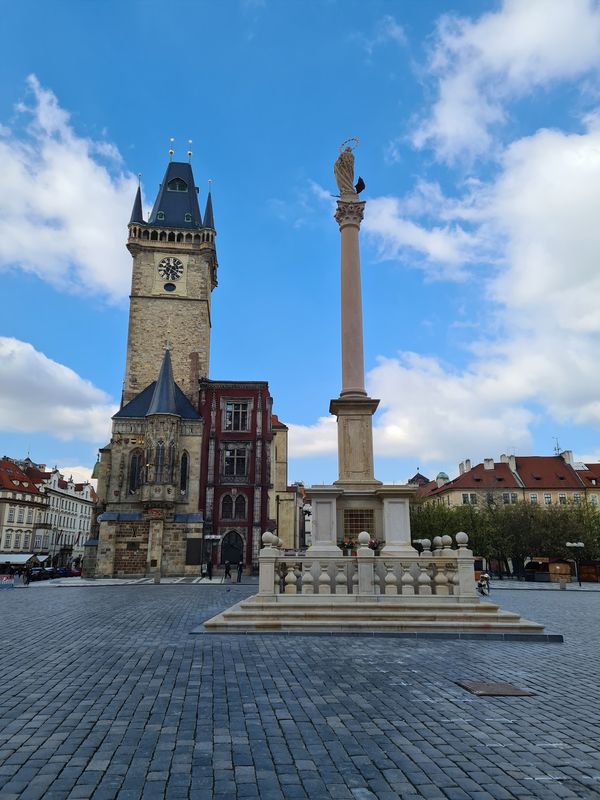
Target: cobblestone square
x: 104, y: 693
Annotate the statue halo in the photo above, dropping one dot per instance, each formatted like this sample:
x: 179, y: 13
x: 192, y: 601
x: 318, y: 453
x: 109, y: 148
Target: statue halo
x: 351, y: 143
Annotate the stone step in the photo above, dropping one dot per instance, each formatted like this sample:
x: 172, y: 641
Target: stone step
x: 225, y: 623
x: 377, y: 617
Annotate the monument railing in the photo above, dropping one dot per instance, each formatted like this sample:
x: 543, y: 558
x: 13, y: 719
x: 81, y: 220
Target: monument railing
x: 441, y: 572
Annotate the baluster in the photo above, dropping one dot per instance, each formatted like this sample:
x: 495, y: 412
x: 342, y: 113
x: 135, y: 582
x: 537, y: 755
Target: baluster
x: 290, y: 580
x: 390, y: 580
x: 440, y: 581
x: 324, y: 584
x: 407, y: 581
x: 341, y: 581
x: 308, y: 586
x: 376, y: 581
x: 354, y: 578
x: 424, y: 580
x: 452, y: 576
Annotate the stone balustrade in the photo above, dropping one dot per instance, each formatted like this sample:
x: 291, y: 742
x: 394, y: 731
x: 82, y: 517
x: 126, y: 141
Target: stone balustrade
x: 439, y: 571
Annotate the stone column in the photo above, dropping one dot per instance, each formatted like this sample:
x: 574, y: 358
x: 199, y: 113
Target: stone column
x: 354, y: 409
x: 349, y: 215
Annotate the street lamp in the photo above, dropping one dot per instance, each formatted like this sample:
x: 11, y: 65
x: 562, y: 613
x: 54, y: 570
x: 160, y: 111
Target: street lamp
x: 578, y: 546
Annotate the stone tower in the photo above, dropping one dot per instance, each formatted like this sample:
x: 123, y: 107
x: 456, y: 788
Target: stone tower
x: 174, y: 273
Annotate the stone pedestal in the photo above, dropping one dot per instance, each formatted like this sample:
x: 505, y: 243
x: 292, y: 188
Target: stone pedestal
x: 396, y: 520
x: 355, y: 439
x: 324, y: 521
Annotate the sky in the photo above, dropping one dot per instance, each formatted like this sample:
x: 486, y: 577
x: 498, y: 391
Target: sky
x: 479, y: 129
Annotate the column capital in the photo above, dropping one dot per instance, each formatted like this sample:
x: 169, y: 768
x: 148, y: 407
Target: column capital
x: 350, y: 212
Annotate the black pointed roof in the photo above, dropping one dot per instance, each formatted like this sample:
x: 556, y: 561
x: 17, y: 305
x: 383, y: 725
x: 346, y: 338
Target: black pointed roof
x: 177, y: 199
x: 163, y: 399
x: 138, y: 407
x: 209, y: 220
x: 137, y: 215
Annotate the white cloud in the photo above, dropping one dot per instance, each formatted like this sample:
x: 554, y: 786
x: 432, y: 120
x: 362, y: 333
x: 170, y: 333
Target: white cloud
x: 385, y: 30
x: 40, y: 395
x: 507, y: 54
x: 64, y: 202
x: 79, y: 473
x: 313, y: 440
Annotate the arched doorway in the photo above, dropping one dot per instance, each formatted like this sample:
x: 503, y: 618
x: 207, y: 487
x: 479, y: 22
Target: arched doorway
x: 232, y: 548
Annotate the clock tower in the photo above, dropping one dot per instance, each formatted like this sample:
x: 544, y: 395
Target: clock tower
x: 174, y: 273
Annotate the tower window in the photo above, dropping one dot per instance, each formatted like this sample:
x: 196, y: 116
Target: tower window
x: 183, y: 474
x: 227, y: 507
x: 135, y: 471
x: 240, y: 507
x: 235, y: 462
x: 177, y: 185
x: 160, y: 215
x: 188, y: 217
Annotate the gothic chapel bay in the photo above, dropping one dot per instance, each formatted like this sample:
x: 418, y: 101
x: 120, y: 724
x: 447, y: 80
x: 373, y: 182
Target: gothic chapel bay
x: 196, y: 469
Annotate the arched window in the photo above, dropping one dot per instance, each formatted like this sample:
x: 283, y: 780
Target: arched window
x: 180, y: 236
x: 183, y: 473
x: 188, y: 237
x: 135, y: 471
x: 162, y: 236
x: 171, y: 237
x: 232, y: 548
x: 227, y: 507
x: 160, y: 215
x: 154, y: 236
x: 159, y: 462
x: 177, y: 185
x: 188, y: 217
x: 145, y: 234
x: 240, y: 507
x: 170, y: 462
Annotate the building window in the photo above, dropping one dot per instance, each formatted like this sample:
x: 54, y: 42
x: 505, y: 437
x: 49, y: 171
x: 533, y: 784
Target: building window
x: 177, y: 185
x: 46, y: 543
x: 562, y: 499
x: 236, y: 417
x: 357, y: 520
x: 547, y: 499
x: 37, y: 542
x: 160, y: 215
x: 235, y: 462
x: 170, y: 462
x: 469, y: 498
x: 159, y: 462
x: 7, y: 540
x: 26, y: 540
x: 135, y: 471
x: 227, y: 507
x: 183, y: 473
x: 11, y: 514
x: 533, y: 499
x: 506, y: 498
x: 240, y: 507
x: 577, y: 498
x: 17, y: 540
x: 188, y: 218
x: 594, y: 499
x: 513, y: 497
x: 20, y: 514
x: 29, y: 516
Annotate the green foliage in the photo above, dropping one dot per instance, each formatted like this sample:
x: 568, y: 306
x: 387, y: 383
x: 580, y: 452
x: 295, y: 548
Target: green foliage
x: 516, y: 532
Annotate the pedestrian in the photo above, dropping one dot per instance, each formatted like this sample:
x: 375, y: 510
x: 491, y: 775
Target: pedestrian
x: 487, y: 579
x: 240, y: 569
x: 26, y: 576
x: 227, y: 570
x: 209, y: 569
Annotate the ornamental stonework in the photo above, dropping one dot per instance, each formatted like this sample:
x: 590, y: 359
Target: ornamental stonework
x: 351, y: 213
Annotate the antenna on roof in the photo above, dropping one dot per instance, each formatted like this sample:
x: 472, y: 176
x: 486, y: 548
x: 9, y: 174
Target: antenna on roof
x: 140, y: 178
x: 171, y: 151
x: 209, y: 184
x: 189, y: 152
x: 557, y: 449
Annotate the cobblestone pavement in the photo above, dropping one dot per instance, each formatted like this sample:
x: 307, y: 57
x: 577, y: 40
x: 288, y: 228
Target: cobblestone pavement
x: 105, y: 694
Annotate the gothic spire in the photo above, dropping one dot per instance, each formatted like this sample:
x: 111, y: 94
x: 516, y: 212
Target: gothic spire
x: 209, y: 220
x: 137, y: 214
x: 163, y: 398
x: 176, y: 204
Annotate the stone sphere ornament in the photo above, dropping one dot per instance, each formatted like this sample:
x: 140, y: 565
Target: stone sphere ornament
x: 364, y: 538
x: 437, y: 542
x: 447, y: 541
x: 267, y: 539
x: 462, y: 540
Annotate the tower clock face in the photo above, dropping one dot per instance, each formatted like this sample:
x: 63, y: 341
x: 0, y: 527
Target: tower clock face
x: 170, y: 268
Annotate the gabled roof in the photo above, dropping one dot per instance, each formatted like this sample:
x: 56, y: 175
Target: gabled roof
x: 163, y: 397
x: 177, y: 196
x: 480, y: 479
x: 276, y: 423
x: 418, y: 479
x: 590, y: 476
x: 138, y: 407
x: 546, y: 472
x: 13, y: 478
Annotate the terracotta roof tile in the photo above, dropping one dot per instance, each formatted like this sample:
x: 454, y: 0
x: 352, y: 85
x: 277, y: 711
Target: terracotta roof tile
x: 13, y: 478
x: 546, y: 472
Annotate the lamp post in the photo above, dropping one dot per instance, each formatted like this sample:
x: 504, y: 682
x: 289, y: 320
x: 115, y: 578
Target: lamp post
x: 577, y: 546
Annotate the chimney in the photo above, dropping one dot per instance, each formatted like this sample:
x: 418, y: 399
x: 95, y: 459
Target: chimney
x: 461, y: 468
x: 467, y: 464
x: 567, y: 457
x: 488, y: 463
x: 512, y: 463
x: 440, y: 481
x: 504, y: 458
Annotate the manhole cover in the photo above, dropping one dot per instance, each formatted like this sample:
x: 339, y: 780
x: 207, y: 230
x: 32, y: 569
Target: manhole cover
x: 494, y: 689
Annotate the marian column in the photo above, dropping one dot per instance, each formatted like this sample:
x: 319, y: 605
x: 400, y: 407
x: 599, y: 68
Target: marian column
x: 354, y: 409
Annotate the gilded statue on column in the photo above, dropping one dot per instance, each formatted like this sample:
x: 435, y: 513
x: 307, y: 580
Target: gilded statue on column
x: 343, y: 169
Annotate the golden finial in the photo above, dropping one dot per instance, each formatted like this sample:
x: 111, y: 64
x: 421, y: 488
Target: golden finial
x: 209, y: 184
x: 189, y: 152
x: 171, y: 151
x: 140, y: 178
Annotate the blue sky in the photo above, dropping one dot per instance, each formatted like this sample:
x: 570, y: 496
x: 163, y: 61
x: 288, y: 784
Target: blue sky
x: 479, y: 136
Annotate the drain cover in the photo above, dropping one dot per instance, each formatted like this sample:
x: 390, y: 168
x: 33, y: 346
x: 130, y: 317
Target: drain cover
x: 494, y: 689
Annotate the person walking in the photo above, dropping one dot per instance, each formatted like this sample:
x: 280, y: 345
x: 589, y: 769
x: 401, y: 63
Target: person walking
x: 240, y: 570
x: 227, y: 570
x: 26, y: 576
x: 209, y: 568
